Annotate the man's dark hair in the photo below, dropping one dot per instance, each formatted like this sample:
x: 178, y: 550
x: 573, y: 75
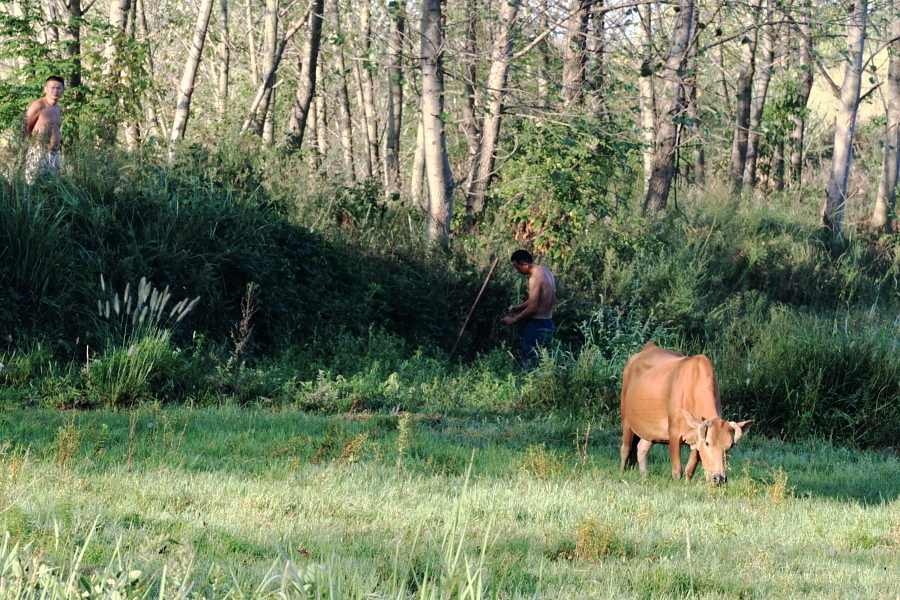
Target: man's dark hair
x: 522, y: 256
x: 55, y: 78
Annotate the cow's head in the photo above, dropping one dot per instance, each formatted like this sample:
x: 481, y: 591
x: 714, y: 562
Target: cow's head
x: 713, y: 438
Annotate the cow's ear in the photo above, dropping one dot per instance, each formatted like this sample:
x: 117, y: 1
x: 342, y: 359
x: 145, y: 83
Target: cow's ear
x: 691, y: 432
x: 739, y: 428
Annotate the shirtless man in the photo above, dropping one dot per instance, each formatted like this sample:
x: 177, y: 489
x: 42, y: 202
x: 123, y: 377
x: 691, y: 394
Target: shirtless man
x: 537, y: 311
x: 43, y: 120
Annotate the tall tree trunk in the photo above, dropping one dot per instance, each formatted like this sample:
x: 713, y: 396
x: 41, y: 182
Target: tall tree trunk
x: 845, y: 121
x: 693, y: 113
x: 417, y: 176
x: 803, y: 91
x: 887, y: 184
x: 321, y: 118
x: 724, y: 100
x: 596, y: 49
x: 368, y: 88
x: 186, y: 90
x: 744, y: 99
x: 647, y: 92
x: 576, y: 46
x: 760, y: 91
x: 670, y: 107
x: 394, y: 101
x: 72, y: 44
x: 306, y: 86
x: 154, y: 128
x: 118, y: 13
x: 270, y: 46
x: 470, y: 114
x: 544, y: 59
x: 346, y: 123
x: 224, y: 59
x: 501, y: 51
x: 437, y: 172
x: 778, y: 162
x: 360, y: 103
x: 51, y: 14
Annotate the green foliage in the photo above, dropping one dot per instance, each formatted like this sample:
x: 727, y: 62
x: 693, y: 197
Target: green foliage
x: 807, y: 375
x: 562, y: 179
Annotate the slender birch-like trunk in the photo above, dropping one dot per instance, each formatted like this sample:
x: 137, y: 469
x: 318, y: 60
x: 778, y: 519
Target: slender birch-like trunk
x: 321, y: 117
x: 224, y: 71
x: 394, y: 101
x: 189, y: 76
x: 367, y: 84
x: 437, y: 173
x: 887, y: 184
x: 760, y: 91
x: 693, y: 114
x: 417, y: 176
x: 501, y: 51
x: 154, y: 128
x: 743, y: 102
x: 576, y: 46
x: 270, y: 46
x: 306, y: 85
x: 670, y: 108
x: 845, y: 122
x: 345, y: 120
x: 470, y: 116
x: 803, y: 92
x: 647, y: 92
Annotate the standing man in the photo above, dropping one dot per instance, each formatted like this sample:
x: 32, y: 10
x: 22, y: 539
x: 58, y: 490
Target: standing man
x: 537, y: 311
x: 43, y: 120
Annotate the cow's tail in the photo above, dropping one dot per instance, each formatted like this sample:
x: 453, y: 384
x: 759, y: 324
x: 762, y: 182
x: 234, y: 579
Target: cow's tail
x: 632, y: 452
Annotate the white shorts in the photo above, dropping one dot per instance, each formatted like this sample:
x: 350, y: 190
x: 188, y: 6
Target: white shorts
x: 38, y: 161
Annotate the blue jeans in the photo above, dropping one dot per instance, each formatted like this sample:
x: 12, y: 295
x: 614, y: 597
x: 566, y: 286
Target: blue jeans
x: 537, y: 333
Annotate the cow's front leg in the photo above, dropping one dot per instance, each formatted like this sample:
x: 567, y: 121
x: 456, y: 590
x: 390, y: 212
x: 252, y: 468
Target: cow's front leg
x: 643, y: 449
x: 675, y: 454
x: 693, y: 459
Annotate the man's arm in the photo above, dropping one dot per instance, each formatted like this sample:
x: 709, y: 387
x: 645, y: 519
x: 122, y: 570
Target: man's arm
x: 31, y: 117
x: 529, y: 306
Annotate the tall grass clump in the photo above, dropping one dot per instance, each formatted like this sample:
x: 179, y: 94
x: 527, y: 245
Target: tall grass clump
x: 587, y: 381
x: 138, y: 355
x: 835, y: 377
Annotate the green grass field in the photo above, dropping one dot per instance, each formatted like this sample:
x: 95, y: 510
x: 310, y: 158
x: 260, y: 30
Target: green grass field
x: 240, y: 503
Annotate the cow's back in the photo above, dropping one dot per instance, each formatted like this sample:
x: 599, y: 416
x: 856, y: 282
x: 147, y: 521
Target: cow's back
x: 647, y: 386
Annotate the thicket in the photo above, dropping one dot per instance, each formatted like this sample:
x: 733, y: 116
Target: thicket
x: 320, y: 295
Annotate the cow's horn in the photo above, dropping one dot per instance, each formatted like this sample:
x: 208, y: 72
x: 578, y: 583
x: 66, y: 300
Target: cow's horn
x: 738, y: 432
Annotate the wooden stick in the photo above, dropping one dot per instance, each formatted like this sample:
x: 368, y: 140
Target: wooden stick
x: 472, y: 310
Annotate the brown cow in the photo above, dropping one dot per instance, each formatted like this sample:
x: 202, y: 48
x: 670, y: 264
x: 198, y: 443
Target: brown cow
x: 669, y: 398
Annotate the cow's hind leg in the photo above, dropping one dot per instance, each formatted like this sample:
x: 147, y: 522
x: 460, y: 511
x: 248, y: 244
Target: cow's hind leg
x: 643, y: 449
x: 629, y: 447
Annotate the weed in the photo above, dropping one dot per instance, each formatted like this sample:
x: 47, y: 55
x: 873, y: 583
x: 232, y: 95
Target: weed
x: 405, y: 425
x: 540, y: 463
x: 68, y: 439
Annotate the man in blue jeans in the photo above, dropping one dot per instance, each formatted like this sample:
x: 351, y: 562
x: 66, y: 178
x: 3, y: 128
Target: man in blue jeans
x: 537, y: 310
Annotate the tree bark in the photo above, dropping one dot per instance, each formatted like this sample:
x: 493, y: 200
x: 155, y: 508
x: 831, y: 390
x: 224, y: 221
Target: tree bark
x: 470, y: 115
x: 693, y: 113
x: 72, y: 44
x: 670, y: 107
x: 183, y: 108
x: 367, y: 84
x: 845, y: 121
x: 501, y: 51
x: 394, y: 101
x: 803, y: 92
x: 321, y: 118
x: 306, y: 85
x: 760, y: 91
x: 437, y: 172
x: 647, y: 92
x: 574, y: 58
x: 153, y: 126
x: 224, y: 72
x: 417, y: 177
x: 270, y: 46
x: 890, y: 165
x: 743, y: 102
x: 345, y: 122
